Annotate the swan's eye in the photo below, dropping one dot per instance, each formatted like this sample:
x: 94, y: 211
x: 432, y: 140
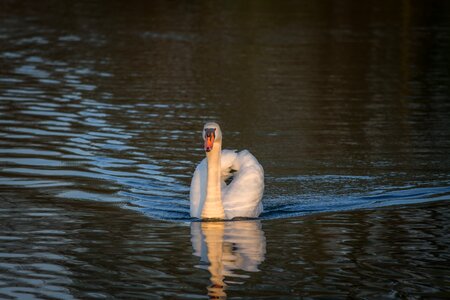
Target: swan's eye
x: 210, y: 132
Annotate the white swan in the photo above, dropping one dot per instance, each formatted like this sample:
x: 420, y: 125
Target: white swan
x: 210, y: 196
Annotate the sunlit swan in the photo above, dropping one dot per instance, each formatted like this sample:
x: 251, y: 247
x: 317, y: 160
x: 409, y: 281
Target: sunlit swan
x: 228, y: 247
x: 211, y: 197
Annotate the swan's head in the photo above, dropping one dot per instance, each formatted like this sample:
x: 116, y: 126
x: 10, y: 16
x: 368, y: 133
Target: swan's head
x: 211, y: 133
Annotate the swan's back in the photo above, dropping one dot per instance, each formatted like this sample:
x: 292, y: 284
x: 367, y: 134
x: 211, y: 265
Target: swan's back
x: 240, y: 198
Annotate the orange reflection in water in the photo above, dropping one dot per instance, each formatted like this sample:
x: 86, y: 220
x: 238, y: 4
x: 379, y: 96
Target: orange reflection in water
x: 227, y: 248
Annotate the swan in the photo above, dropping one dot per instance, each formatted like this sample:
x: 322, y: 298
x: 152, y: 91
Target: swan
x: 210, y: 196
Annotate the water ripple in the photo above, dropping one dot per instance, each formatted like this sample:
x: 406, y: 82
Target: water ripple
x: 104, y: 127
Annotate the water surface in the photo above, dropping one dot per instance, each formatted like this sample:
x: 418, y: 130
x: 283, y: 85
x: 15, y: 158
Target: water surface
x: 346, y: 106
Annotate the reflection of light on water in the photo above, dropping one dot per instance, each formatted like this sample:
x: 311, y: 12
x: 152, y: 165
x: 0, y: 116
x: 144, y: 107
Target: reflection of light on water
x: 228, y: 247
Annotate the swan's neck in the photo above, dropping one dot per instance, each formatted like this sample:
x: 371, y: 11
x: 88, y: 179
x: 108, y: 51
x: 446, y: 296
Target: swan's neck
x: 213, y: 208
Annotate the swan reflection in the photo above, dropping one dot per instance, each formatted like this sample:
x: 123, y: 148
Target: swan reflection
x: 227, y: 247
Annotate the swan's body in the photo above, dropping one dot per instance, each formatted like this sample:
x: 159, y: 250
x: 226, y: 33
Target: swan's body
x: 211, y: 197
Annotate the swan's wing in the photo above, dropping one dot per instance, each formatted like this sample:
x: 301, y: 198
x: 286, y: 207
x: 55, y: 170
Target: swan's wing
x: 198, y: 186
x: 227, y: 162
x: 242, y: 197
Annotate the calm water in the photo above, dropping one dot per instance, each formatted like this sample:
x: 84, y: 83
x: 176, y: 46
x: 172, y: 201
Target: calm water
x: 346, y: 105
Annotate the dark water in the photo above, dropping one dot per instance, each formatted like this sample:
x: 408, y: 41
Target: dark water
x: 346, y: 105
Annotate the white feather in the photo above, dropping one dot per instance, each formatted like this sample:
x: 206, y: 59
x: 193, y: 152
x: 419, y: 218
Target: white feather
x: 242, y: 197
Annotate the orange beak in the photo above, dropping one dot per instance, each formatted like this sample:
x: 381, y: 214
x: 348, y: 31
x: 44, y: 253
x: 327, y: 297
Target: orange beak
x: 209, y: 142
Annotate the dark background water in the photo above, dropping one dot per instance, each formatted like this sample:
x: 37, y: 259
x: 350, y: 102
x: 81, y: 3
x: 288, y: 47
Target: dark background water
x: 346, y: 105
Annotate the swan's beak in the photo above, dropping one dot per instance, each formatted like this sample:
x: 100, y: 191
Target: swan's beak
x: 209, y: 139
x: 209, y: 142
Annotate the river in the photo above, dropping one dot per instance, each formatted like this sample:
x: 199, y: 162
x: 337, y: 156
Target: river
x: 345, y: 104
